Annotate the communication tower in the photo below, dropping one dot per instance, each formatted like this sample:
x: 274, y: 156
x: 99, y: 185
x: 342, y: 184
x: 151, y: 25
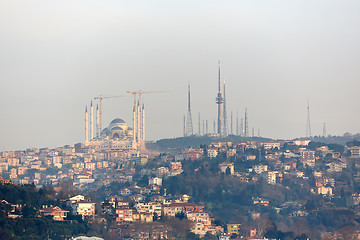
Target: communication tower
x: 189, y: 126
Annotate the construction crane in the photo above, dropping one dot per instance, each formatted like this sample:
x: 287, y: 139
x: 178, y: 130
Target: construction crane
x: 100, y: 98
x: 139, y: 118
x: 140, y: 93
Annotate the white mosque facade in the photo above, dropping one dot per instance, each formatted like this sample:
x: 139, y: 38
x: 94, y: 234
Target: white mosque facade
x: 118, y: 135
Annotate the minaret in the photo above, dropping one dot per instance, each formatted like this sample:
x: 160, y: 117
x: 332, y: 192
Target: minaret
x: 143, y: 127
x: 225, y: 129
x: 219, y: 101
x: 134, y: 123
x: 98, y: 130
x: 138, y: 123
x: 86, y: 126
x: 91, y: 121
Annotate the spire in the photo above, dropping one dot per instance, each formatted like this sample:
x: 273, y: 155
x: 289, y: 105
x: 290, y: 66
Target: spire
x: 308, y: 126
x: 86, y: 125
x: 98, y: 130
x: 189, y: 126
x: 143, y: 126
x: 91, y: 121
x: 246, y: 124
x: 225, y: 128
x: 219, y: 101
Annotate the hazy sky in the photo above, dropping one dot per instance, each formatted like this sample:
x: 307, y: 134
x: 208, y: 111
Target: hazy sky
x: 55, y: 56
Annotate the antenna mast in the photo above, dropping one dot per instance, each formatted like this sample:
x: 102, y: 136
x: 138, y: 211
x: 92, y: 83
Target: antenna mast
x: 308, y: 126
x: 219, y: 101
x: 189, y: 126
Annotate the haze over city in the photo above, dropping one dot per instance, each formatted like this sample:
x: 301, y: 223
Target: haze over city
x: 57, y: 56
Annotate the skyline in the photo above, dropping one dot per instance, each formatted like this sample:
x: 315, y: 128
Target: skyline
x: 56, y: 57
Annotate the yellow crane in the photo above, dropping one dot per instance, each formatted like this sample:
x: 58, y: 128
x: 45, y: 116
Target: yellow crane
x: 100, y: 98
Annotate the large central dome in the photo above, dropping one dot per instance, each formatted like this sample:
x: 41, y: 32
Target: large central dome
x: 117, y: 120
x: 119, y: 129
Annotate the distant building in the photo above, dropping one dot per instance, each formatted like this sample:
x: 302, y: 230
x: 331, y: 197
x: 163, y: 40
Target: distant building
x: 57, y: 213
x: 226, y: 165
x: 155, y: 181
x: 355, y: 152
x: 302, y: 142
x: 271, y: 145
x: 212, y: 153
x: 124, y: 214
x: 84, y: 208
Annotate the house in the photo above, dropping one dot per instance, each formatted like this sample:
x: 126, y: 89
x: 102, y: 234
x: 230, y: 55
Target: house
x: 124, y: 214
x: 142, y: 217
x: 247, y: 232
x: 233, y: 228
x: 155, y: 181
x: 212, y: 153
x: 151, y: 207
x: 57, y: 213
x: 175, y: 208
x: 226, y: 165
x: 260, y: 168
x: 84, y: 208
x: 322, y: 190
x: 302, y: 142
x: 271, y: 145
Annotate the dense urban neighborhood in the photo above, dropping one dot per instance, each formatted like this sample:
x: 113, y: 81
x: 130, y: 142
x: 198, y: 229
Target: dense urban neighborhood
x: 253, y: 189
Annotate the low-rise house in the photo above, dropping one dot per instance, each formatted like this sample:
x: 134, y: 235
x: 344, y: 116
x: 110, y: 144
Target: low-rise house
x: 84, y: 208
x: 212, y: 153
x: 57, y: 213
x: 175, y: 208
x: 271, y: 145
x: 261, y: 201
x: 226, y: 165
x: 233, y: 228
x: 155, y: 181
x: 142, y: 217
x: 151, y: 207
x: 322, y: 190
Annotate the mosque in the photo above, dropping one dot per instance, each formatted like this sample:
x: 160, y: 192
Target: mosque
x: 118, y: 129
x: 118, y: 135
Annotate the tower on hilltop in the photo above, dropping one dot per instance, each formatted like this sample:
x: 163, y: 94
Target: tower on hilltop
x: 219, y: 101
x: 225, y: 129
x: 189, y: 126
x: 308, y: 126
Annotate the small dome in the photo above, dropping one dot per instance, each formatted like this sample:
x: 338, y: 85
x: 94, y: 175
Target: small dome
x: 117, y: 120
x: 105, y: 131
x: 116, y: 129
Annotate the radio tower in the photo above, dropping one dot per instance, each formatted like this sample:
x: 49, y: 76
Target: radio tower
x: 308, y: 126
x: 225, y: 129
x: 242, y: 127
x: 324, y: 130
x: 237, y: 124
x: 219, y: 101
x: 246, y: 125
x: 231, y: 124
x: 189, y: 125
